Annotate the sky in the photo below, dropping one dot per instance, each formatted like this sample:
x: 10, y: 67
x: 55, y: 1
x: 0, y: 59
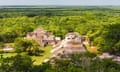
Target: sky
x: 59, y: 2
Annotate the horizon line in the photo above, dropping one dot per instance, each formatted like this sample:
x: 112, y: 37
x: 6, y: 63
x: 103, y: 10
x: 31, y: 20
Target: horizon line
x: 59, y: 5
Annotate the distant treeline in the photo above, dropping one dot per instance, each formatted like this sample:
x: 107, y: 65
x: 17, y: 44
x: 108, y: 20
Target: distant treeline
x: 48, y: 11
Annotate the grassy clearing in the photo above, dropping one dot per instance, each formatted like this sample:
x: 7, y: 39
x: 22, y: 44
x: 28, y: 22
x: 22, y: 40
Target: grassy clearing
x: 8, y: 54
x: 9, y: 44
x: 46, y: 54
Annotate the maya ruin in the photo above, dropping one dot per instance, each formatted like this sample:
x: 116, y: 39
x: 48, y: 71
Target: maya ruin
x: 72, y: 43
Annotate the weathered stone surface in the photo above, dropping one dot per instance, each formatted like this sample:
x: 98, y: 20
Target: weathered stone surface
x: 42, y: 37
x: 71, y: 44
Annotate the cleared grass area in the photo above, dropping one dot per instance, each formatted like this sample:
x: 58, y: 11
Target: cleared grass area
x: 46, y: 54
x: 8, y: 54
x: 9, y: 44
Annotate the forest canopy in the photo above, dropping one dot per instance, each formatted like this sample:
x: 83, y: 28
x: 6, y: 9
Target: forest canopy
x: 100, y: 24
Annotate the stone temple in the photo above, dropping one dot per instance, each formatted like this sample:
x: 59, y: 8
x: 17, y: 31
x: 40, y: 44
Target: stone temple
x: 73, y: 43
x: 43, y: 37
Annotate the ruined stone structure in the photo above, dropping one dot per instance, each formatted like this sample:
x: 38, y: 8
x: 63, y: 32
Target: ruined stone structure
x: 42, y: 37
x: 107, y: 55
x: 72, y: 43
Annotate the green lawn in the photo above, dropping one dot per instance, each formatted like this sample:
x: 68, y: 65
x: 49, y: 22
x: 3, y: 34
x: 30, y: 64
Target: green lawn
x: 8, y: 54
x: 46, y: 54
x: 9, y: 44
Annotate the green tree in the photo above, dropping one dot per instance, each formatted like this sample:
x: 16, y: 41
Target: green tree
x: 29, y: 46
x: 19, y: 63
